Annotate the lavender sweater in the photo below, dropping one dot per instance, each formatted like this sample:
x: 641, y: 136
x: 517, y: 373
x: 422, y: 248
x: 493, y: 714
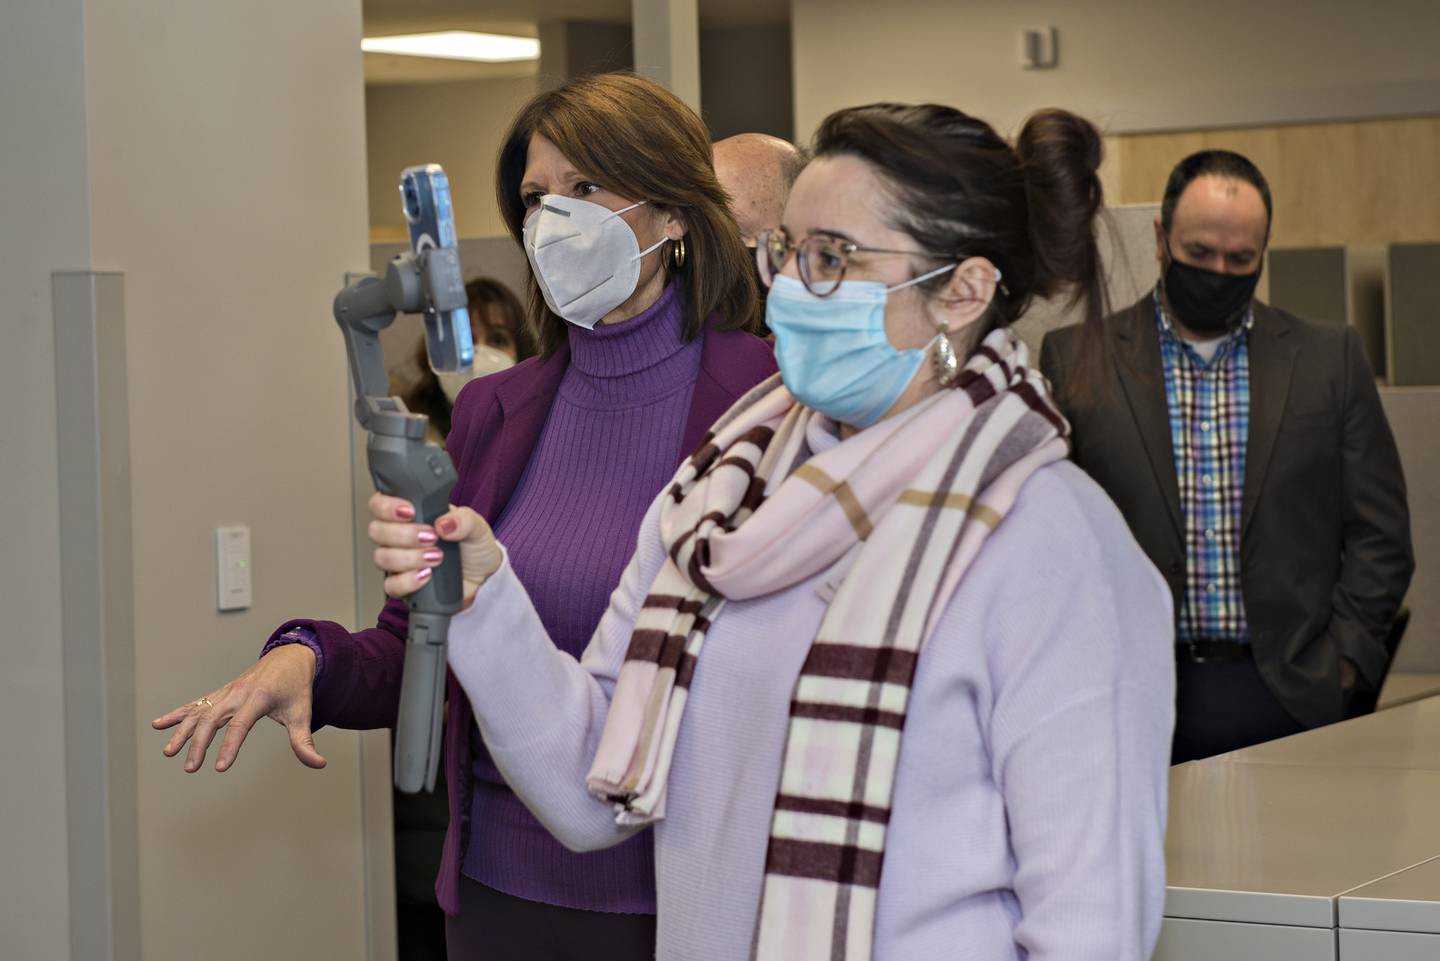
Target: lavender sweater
x: 1030, y: 800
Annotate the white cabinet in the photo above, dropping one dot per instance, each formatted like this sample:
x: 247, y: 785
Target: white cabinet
x: 1186, y: 939
x: 1395, y: 919
x: 1388, y: 946
x: 1292, y: 850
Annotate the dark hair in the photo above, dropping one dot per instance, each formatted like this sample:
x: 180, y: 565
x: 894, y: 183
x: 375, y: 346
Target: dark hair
x: 1213, y: 163
x: 425, y: 395
x: 491, y: 293
x: 959, y: 189
x: 637, y: 138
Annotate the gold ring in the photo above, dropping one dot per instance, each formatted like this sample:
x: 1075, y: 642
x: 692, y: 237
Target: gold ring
x: 205, y: 702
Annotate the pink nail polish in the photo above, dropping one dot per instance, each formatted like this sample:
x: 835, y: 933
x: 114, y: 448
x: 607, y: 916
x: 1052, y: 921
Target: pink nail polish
x: 405, y: 512
x: 432, y: 557
x: 424, y: 575
x: 426, y: 537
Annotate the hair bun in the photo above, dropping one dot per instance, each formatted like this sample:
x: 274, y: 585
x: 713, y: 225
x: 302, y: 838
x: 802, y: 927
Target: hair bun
x: 1054, y: 135
x: 1060, y: 155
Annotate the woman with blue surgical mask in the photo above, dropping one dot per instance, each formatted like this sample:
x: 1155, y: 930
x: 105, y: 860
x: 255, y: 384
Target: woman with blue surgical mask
x: 887, y: 674
x: 641, y: 300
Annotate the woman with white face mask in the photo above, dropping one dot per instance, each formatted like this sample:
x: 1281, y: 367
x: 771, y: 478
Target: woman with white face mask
x: 497, y: 331
x: 888, y: 674
x: 640, y: 302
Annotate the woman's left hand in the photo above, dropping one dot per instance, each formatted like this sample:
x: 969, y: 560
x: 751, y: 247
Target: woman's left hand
x: 408, y: 552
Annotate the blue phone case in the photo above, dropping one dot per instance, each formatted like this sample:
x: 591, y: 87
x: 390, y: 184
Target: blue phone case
x: 425, y: 198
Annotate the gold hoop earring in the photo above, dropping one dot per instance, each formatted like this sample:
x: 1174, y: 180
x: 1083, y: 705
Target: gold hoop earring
x: 677, y: 253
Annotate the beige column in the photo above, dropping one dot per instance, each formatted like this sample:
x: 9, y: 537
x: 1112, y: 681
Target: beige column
x: 667, y: 45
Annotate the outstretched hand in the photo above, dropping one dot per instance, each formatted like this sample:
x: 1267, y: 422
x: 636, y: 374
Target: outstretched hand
x: 276, y: 686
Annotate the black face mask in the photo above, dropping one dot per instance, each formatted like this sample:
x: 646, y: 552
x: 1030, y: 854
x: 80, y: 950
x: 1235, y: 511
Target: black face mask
x: 1207, y: 302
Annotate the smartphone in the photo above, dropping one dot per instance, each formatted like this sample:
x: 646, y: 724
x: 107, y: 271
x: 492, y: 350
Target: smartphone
x: 425, y: 198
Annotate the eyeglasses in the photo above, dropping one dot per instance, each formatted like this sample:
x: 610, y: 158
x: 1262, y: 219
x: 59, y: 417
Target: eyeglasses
x: 822, y: 258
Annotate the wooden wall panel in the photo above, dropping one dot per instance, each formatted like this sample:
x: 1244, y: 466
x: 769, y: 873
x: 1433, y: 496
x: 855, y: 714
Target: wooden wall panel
x: 1364, y: 182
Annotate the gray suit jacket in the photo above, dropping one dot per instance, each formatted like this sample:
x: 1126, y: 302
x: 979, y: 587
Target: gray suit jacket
x: 1325, y: 554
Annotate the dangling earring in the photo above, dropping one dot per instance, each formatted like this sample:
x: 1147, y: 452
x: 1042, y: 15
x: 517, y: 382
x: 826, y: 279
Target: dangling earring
x: 677, y: 253
x: 944, y: 362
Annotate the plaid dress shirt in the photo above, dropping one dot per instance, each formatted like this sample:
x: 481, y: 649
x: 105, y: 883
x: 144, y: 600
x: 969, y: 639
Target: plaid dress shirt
x: 1209, y: 405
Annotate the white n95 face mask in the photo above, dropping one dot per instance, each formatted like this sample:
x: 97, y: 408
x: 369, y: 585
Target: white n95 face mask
x: 488, y: 360
x: 585, y: 257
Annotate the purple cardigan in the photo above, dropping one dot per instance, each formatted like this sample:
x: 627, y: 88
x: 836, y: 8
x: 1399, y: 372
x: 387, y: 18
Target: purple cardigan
x: 495, y: 426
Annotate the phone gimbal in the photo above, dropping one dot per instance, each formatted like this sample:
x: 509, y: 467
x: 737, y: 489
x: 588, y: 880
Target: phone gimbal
x: 403, y: 465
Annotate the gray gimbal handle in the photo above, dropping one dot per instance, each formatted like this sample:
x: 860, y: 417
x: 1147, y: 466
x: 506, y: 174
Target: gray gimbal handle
x: 403, y: 465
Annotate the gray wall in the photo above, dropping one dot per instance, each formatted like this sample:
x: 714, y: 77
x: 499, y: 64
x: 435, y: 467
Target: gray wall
x: 1412, y: 303
x: 1165, y: 64
x: 457, y: 125
x: 746, y: 82
x: 224, y: 182
x: 1309, y: 281
x: 1336, y: 285
x: 574, y: 48
x: 43, y: 174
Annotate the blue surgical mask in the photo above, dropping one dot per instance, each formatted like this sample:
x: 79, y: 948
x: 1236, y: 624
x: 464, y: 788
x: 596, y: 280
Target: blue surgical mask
x: 833, y: 352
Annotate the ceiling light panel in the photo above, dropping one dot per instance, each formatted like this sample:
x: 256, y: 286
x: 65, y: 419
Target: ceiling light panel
x: 457, y: 45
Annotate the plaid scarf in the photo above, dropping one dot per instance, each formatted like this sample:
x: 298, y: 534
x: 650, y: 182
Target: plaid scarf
x: 754, y: 511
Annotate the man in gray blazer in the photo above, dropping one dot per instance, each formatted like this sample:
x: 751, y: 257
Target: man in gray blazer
x: 1250, y: 454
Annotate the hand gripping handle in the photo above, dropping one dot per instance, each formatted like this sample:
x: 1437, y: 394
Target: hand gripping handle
x: 405, y: 466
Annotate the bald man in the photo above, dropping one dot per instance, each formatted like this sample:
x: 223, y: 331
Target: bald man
x: 757, y: 171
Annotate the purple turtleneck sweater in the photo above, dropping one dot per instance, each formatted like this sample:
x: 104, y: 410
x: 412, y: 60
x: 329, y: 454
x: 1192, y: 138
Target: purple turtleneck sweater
x: 611, y: 442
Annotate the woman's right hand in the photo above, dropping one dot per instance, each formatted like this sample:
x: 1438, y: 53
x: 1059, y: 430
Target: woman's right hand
x: 278, y: 686
x: 407, y: 553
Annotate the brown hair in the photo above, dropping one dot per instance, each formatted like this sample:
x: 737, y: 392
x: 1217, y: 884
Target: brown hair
x: 641, y: 141
x: 960, y: 189
x: 491, y: 293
